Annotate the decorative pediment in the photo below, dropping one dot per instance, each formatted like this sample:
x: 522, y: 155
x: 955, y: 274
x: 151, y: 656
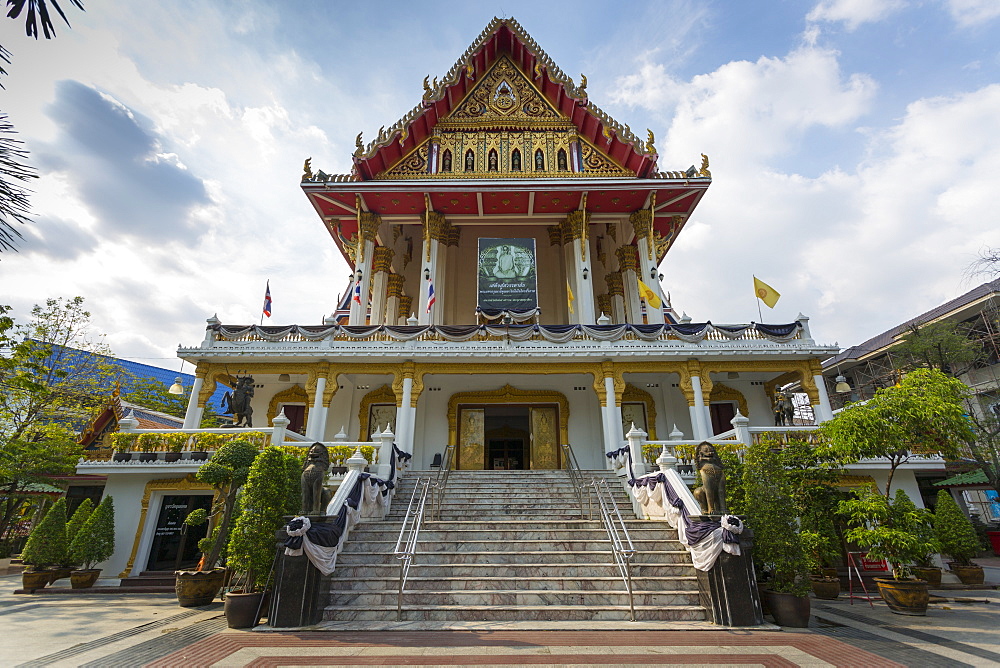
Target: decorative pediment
x: 504, y: 98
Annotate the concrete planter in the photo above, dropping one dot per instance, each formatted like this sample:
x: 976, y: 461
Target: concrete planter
x: 904, y: 597
x: 84, y: 578
x: 788, y: 609
x: 969, y: 575
x: 826, y: 588
x: 931, y: 574
x: 196, y: 588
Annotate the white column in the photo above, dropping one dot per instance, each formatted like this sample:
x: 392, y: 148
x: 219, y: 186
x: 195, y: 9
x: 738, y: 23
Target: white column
x: 701, y: 430
x: 633, y: 309
x: 317, y: 416
x: 359, y: 311
x: 379, y: 285
x: 611, y: 428
x: 404, y: 419
x: 423, y: 317
x: 385, y: 453
x: 823, y: 411
x: 280, y: 424
x: 583, y: 304
x: 741, y: 424
x: 192, y: 417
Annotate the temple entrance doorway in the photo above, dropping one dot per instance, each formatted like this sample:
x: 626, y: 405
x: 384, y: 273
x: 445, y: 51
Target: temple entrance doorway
x: 506, y: 437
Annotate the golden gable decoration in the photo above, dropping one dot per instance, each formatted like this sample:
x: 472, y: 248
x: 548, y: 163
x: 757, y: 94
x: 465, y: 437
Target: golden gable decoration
x: 504, y: 96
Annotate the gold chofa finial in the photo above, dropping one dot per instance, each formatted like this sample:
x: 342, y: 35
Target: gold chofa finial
x: 582, y: 88
x: 470, y: 70
x: 704, y: 167
x: 649, y: 141
x: 359, y: 147
x: 307, y: 172
x: 427, y: 85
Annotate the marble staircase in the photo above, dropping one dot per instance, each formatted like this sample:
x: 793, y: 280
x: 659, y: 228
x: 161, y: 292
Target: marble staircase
x: 512, y: 546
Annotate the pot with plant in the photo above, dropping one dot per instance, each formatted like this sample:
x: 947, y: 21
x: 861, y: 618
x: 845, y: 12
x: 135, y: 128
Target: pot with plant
x: 818, y: 549
x: 123, y: 445
x: 45, y: 548
x: 957, y: 538
x: 778, y: 546
x: 893, y: 531
x: 226, y: 472
x: 175, y: 446
x: 251, y: 553
x: 92, y: 544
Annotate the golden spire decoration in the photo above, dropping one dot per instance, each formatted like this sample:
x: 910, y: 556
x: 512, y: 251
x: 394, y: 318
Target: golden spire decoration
x: 582, y: 88
x: 704, y: 167
x: 650, y: 148
x: 359, y: 147
x: 307, y: 172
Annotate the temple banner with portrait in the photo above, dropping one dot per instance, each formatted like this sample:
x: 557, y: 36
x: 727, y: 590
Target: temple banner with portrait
x: 508, y: 277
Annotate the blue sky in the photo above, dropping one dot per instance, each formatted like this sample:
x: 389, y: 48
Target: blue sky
x: 854, y: 145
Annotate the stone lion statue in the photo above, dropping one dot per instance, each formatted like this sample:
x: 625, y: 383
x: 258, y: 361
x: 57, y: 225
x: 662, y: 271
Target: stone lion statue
x: 712, y: 493
x: 315, y: 496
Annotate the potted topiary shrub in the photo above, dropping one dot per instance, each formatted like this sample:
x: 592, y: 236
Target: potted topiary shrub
x: 175, y: 446
x: 263, y: 503
x: 778, y: 547
x: 226, y: 472
x: 93, y: 543
x: 958, y: 539
x: 892, y: 531
x: 819, y: 550
x: 73, y: 527
x: 46, y: 547
x: 123, y: 445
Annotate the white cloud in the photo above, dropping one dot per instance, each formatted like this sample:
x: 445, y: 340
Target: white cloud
x: 971, y: 13
x: 853, y: 13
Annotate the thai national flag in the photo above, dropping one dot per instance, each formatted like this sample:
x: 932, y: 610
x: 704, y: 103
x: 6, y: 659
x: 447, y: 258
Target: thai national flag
x: 267, y: 300
x: 357, y: 291
x: 430, y: 295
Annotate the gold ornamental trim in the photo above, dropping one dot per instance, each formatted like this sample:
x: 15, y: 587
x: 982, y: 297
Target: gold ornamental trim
x: 292, y: 395
x: 508, y: 394
x: 216, y: 373
x: 394, y: 286
x: 722, y: 392
x: 382, y: 259
x: 628, y: 258
x: 633, y: 394
x: 380, y: 395
x: 187, y: 483
x: 615, y: 284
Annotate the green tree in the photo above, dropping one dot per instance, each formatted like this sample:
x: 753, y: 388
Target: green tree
x: 95, y: 542
x: 46, y: 545
x: 293, y: 481
x: 923, y: 414
x: 945, y: 346
x: 226, y: 472
x: 79, y: 518
x: 893, y: 531
x: 778, y: 547
x: 53, y: 379
x: 262, y: 501
x: 954, y: 531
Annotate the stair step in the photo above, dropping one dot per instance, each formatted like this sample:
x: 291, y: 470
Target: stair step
x: 508, y: 570
x: 515, y: 613
x: 504, y: 557
x: 512, y: 582
x: 512, y: 597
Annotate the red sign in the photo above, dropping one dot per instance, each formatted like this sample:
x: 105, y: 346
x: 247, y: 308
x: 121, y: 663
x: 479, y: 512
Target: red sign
x: 869, y: 564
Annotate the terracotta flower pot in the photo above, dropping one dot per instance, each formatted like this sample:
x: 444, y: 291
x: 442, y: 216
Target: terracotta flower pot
x: 32, y: 580
x: 84, y: 578
x: 788, y: 609
x: 904, y: 597
x: 826, y: 588
x: 196, y: 588
x: 932, y: 574
x: 244, y: 611
x: 969, y: 575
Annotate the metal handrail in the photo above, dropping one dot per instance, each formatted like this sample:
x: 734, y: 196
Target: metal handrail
x: 621, y: 543
x: 409, y: 533
x: 441, y: 480
x: 576, y: 478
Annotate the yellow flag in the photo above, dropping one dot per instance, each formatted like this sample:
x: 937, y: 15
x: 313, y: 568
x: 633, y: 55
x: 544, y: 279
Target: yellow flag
x: 765, y: 292
x: 650, y: 297
x: 569, y: 297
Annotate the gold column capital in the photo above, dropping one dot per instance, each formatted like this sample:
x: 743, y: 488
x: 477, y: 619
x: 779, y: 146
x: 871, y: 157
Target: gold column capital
x: 628, y: 258
x: 394, y: 288
x: 615, y: 284
x: 368, y: 224
x: 382, y: 259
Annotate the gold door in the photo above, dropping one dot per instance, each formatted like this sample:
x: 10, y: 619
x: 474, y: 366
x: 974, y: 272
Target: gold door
x: 472, y: 422
x: 544, y: 437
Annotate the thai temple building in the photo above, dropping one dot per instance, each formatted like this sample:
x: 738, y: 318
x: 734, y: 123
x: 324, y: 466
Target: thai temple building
x: 507, y: 239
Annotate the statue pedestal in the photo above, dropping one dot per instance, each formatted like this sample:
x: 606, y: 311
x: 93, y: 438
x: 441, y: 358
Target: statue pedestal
x: 297, y: 599
x: 729, y: 590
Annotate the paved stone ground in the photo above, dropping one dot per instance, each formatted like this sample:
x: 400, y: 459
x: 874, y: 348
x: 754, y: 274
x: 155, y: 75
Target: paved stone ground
x: 117, y: 630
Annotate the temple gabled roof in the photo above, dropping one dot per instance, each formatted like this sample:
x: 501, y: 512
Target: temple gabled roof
x: 505, y: 38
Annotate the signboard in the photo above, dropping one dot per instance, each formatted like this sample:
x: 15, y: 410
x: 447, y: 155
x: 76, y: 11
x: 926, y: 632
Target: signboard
x: 508, y: 277
x: 872, y: 564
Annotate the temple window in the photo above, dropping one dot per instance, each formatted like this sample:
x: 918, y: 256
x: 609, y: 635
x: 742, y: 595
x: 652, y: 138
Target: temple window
x: 515, y: 160
x: 446, y: 161
x: 561, y: 160
x: 539, y: 161
x: 470, y: 161
x: 492, y: 160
